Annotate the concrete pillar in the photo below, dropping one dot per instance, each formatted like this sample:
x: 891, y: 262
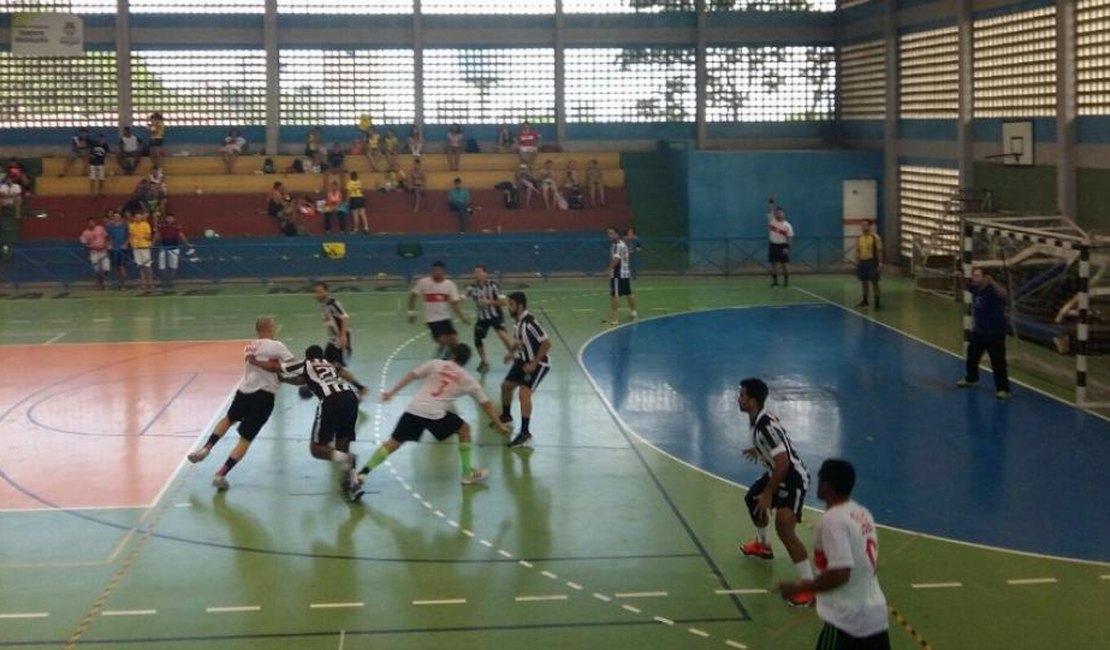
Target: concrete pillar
x: 560, y: 74
x: 965, y: 138
x: 701, y: 78
x: 123, y: 62
x: 273, y: 86
x: 892, y: 220
x: 1067, y: 108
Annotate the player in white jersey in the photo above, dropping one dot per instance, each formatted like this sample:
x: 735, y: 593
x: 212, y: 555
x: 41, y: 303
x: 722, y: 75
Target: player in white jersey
x: 620, y: 277
x: 254, y: 399
x: 781, y: 489
x: 441, y: 298
x: 442, y: 381
x: 780, y: 234
x: 846, y: 552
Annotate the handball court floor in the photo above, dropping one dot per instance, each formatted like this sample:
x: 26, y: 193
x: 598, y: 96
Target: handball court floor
x: 617, y: 531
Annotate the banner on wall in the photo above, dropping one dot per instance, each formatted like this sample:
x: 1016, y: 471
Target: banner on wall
x: 42, y: 35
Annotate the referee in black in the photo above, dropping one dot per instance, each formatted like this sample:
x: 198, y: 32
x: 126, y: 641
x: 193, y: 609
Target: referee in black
x: 488, y: 299
x: 530, y: 365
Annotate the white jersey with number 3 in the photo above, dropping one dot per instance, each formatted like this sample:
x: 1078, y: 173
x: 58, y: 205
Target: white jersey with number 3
x: 443, y: 383
x: 255, y: 378
x: 846, y: 539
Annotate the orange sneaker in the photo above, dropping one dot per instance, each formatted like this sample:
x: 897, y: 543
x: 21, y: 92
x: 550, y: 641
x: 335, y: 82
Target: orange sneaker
x: 756, y: 548
x: 802, y: 599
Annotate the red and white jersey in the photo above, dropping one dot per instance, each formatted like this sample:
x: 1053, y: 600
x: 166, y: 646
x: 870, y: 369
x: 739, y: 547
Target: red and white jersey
x: 443, y: 383
x: 779, y: 232
x: 527, y: 138
x: 255, y: 378
x: 846, y: 539
x: 437, y: 297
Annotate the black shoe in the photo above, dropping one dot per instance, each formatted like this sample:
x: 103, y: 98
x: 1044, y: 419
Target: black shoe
x: 862, y: 305
x: 521, y: 440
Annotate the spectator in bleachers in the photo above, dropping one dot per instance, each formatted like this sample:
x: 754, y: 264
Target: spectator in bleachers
x: 504, y: 139
x: 549, y: 187
x: 356, y: 202
x: 78, y: 149
x: 139, y: 239
x: 454, y: 146
x: 527, y: 143
x: 276, y: 200
x: 17, y: 173
x: 312, y: 149
x: 526, y: 184
x: 415, y: 141
x: 572, y: 188
x: 157, y: 126
x: 149, y: 193
x: 390, y: 147
x: 373, y: 148
x: 169, y: 239
x: 458, y: 199
x: 117, y: 251
x: 394, y: 180
x: 595, y: 182
x: 417, y: 180
x: 232, y: 148
x: 334, y: 208
x: 11, y: 197
x: 157, y: 178
x: 95, y: 241
x: 130, y: 151
x: 98, y: 156
x: 335, y: 162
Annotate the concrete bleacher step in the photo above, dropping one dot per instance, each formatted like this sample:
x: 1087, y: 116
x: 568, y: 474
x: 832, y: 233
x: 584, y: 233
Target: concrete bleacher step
x: 212, y: 163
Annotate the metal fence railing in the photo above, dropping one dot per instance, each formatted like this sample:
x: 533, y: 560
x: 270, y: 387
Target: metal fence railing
x: 543, y: 255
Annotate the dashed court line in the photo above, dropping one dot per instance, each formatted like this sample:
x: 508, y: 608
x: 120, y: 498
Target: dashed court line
x: 739, y: 592
x: 1032, y: 581
x: 937, y: 585
x: 441, y: 601
x: 540, y: 599
x: 642, y: 594
x: 233, y: 609
x: 19, y: 615
x: 129, y: 612
x: 351, y: 605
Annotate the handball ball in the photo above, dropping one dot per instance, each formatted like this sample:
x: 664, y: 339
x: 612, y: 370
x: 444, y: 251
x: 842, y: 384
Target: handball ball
x: 305, y: 392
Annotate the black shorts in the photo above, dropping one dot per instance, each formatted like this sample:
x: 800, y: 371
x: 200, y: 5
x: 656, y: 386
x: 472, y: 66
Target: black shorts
x: 157, y: 142
x: 251, y: 411
x: 410, y: 427
x: 778, y: 253
x: 868, y: 270
x: 833, y: 638
x: 118, y: 258
x: 482, y: 328
x: 311, y: 153
x: 356, y: 203
x: 336, y: 417
x: 441, y: 328
x: 518, y: 376
x: 790, y: 494
x: 336, y: 355
x: 620, y: 286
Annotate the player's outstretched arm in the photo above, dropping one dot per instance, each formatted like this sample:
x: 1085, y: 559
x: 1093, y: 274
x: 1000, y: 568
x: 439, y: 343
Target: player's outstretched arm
x: 494, y: 418
x: 272, y: 365
x: 405, y: 381
x: 350, y: 379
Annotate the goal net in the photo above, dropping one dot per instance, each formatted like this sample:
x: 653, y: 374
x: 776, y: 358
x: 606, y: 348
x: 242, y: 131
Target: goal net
x: 1058, y: 302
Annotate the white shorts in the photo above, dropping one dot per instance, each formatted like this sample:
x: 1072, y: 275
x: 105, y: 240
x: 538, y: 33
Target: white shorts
x: 527, y: 149
x: 168, y: 258
x: 99, y: 261
x: 141, y: 256
x: 96, y: 172
x: 232, y: 149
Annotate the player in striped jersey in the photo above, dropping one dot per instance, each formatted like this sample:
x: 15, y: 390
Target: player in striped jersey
x: 488, y: 299
x: 620, y: 277
x: 782, y: 488
x: 442, y: 382
x: 334, y: 427
x: 530, y: 365
x: 337, y: 323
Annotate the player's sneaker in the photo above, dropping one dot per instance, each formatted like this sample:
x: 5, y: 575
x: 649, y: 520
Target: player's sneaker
x: 220, y: 482
x: 198, y: 455
x: 483, y: 367
x: 756, y: 548
x: 964, y: 382
x: 802, y: 599
x: 635, y: 316
x: 355, y: 490
x: 475, y: 476
x: 610, y: 323
x: 521, y: 440
x: 1002, y: 394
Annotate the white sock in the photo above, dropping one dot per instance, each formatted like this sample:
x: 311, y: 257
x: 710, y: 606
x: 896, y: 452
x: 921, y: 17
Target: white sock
x: 804, y: 569
x: 761, y: 535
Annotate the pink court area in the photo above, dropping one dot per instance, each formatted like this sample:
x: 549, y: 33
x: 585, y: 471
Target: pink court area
x: 105, y: 425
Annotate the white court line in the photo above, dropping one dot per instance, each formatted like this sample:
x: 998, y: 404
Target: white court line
x: 503, y: 553
x: 548, y: 574
x: 129, y: 612
x: 1032, y: 581
x: 603, y: 598
x: 578, y: 587
x: 336, y: 605
x: 97, y: 320
x: 643, y: 594
x: 233, y: 609
x: 183, y: 505
x: 735, y: 644
x: 742, y: 592
x: 632, y: 608
x: 342, y: 638
x: 55, y: 339
x: 937, y: 585
x: 24, y: 615
x: 526, y: 564
x: 539, y: 599
x: 1105, y: 577
x: 696, y: 632
x: 443, y: 601
x: 664, y: 621
x: 484, y: 542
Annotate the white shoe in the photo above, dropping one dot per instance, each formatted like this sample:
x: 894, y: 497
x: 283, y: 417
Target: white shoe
x: 198, y: 455
x: 475, y: 477
x: 220, y: 483
x: 635, y: 316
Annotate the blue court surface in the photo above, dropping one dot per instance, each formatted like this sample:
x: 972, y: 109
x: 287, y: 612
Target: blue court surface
x: 1028, y: 474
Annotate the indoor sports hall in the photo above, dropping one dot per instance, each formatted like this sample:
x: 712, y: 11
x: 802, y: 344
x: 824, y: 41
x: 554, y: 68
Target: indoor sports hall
x: 937, y: 164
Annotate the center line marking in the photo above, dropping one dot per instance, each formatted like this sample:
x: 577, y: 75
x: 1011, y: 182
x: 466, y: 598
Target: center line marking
x: 1032, y: 581
x: 725, y: 592
x: 25, y: 615
x: 539, y: 599
x: 936, y: 585
x: 444, y: 601
x: 643, y: 594
x: 702, y: 633
x: 228, y: 610
x: 735, y: 644
x: 129, y: 612
x: 335, y: 605
x: 631, y: 608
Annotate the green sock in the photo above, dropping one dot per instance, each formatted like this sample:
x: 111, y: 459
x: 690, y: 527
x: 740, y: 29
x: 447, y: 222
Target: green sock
x: 377, y: 459
x: 464, y: 457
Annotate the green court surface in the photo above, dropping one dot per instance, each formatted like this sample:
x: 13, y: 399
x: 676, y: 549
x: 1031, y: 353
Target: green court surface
x: 592, y: 540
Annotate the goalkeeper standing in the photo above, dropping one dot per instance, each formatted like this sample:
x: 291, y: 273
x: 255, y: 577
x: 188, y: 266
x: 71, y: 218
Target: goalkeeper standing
x: 988, y: 334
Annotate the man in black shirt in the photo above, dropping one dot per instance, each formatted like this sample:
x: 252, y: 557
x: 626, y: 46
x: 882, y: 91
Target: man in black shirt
x: 530, y: 365
x: 98, y: 155
x: 988, y: 334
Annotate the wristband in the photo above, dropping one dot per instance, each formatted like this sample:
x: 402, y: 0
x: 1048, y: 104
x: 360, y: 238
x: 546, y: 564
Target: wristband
x: 359, y: 386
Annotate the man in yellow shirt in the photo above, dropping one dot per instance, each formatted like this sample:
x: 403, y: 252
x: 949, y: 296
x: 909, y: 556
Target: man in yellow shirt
x: 869, y: 261
x: 139, y: 236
